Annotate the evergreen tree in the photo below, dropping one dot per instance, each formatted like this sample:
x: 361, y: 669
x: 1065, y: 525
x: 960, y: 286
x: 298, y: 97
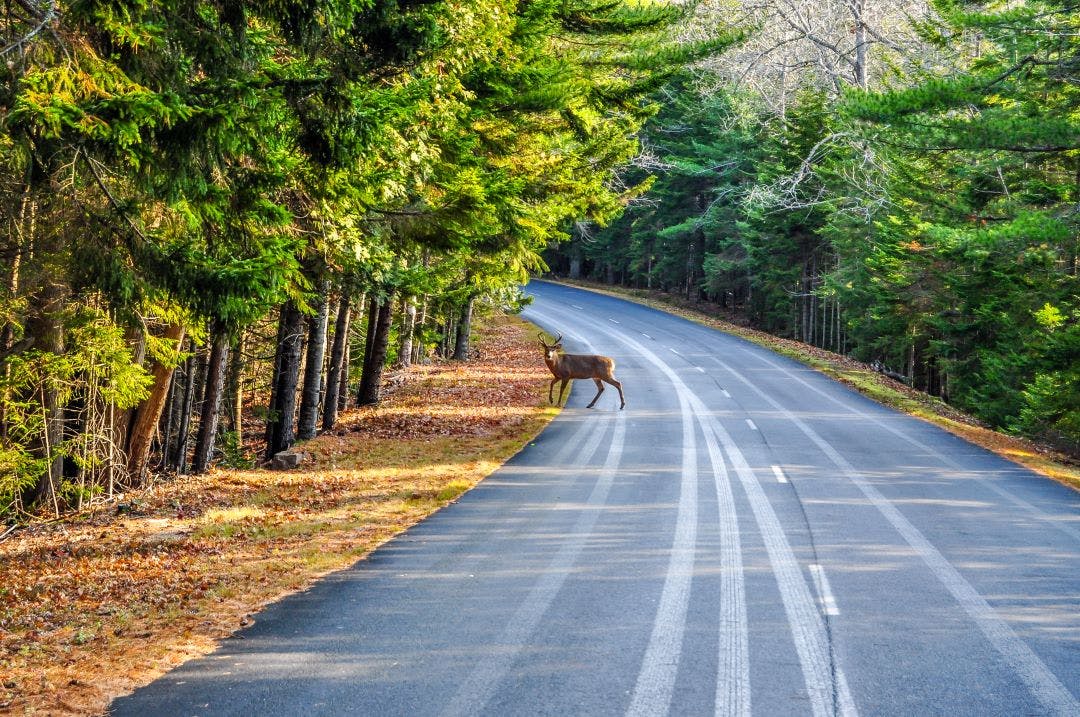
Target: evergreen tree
x: 985, y: 179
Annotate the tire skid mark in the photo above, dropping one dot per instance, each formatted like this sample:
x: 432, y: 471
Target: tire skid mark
x: 656, y: 680
x: 1040, y: 680
x: 826, y: 685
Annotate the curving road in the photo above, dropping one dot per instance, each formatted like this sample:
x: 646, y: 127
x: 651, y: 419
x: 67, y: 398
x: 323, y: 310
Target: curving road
x: 747, y: 537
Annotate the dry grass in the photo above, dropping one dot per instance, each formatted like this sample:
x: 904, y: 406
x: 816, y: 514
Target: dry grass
x: 1039, y: 458
x: 94, y: 606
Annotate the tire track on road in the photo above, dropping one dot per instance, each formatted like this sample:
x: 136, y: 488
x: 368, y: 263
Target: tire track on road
x: 825, y: 683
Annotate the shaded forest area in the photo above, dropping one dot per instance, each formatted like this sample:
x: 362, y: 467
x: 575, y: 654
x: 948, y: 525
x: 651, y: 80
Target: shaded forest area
x: 895, y: 181
x: 222, y: 220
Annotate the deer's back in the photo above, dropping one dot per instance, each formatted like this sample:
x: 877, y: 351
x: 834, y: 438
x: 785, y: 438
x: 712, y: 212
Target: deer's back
x: 585, y: 365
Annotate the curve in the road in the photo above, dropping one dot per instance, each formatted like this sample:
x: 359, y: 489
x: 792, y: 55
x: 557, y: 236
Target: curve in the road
x: 746, y: 537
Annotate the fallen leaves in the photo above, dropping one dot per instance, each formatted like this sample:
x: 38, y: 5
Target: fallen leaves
x: 92, y: 607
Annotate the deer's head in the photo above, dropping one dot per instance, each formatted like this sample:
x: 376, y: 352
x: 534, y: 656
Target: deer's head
x: 551, y: 350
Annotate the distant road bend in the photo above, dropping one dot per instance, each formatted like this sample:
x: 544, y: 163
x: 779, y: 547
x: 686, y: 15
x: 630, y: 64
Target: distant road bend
x: 746, y: 537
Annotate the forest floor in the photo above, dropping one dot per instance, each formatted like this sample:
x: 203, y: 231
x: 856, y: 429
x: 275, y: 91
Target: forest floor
x: 98, y: 604
x: 1043, y: 459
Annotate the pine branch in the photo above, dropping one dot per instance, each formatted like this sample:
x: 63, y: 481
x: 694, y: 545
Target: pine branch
x: 109, y: 196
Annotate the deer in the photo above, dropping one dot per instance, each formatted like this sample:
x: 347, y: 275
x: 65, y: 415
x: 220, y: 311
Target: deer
x: 568, y: 366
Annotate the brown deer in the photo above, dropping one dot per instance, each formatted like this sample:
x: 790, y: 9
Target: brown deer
x: 568, y: 366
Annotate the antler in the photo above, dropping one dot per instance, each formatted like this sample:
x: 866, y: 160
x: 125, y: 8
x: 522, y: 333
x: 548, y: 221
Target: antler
x: 545, y: 343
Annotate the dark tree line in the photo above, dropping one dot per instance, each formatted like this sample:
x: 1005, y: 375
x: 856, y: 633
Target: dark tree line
x: 215, y: 213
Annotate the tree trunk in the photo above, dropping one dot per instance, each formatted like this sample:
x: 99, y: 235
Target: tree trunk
x: 859, y: 71
x: 418, y: 346
x: 371, y: 381
x: 369, y: 331
x: 910, y: 372
x: 234, y: 388
x: 183, y: 423
x: 575, y: 260
x: 148, y: 414
x: 44, y: 325
x: 464, y: 329
x: 338, y: 368
x: 805, y: 298
x: 211, y: 404
x: 449, y: 330
x: 168, y: 419
x: 343, y: 387
x: 274, y: 375
x: 282, y: 412
x: 194, y: 387
x: 313, y: 366
x: 408, y: 325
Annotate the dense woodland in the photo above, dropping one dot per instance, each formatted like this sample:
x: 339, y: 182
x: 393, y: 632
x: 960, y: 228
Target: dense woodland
x: 893, y: 180
x: 218, y: 212
x: 223, y: 220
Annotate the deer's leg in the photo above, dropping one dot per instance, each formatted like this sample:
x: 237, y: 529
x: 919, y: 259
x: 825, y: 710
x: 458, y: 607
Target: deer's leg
x: 551, y: 386
x: 599, y: 390
x: 616, y: 384
x: 562, y: 388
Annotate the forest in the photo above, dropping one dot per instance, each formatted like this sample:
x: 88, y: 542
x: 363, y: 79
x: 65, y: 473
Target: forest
x: 224, y: 220
x: 891, y: 180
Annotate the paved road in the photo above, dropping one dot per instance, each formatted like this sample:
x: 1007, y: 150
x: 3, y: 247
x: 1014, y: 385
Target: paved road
x: 747, y: 537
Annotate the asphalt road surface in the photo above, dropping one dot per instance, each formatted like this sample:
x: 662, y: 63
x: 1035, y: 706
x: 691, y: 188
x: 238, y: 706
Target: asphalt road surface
x: 746, y: 537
